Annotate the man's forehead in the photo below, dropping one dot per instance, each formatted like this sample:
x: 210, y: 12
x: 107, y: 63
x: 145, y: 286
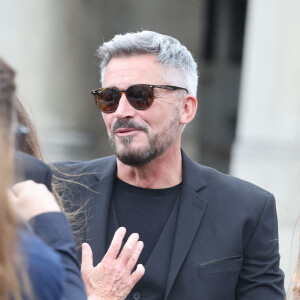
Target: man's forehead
x: 132, y: 61
x: 133, y: 69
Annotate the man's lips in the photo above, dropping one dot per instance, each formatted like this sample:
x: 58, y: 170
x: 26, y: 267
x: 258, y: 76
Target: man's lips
x: 127, y: 127
x: 126, y: 131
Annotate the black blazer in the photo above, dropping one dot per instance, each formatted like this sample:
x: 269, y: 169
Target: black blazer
x: 52, y: 228
x: 226, y: 241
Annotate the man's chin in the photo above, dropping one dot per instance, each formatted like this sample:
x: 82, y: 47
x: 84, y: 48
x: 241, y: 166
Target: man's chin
x: 131, y: 161
x: 130, y: 148
x: 136, y: 158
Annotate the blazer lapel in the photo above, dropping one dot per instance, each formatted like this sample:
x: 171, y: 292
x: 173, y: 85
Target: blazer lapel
x: 98, y: 206
x: 191, y: 211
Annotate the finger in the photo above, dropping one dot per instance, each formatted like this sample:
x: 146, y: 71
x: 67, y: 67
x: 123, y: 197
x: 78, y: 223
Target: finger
x: 137, y: 274
x: 129, y: 248
x: 115, y: 244
x: 135, y: 256
x: 87, y: 261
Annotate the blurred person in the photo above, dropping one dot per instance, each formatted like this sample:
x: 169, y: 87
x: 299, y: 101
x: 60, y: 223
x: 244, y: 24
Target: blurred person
x: 34, y: 203
x: 16, y: 242
x: 206, y: 234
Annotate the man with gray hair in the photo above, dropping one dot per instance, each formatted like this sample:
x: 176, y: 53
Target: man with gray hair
x: 206, y: 235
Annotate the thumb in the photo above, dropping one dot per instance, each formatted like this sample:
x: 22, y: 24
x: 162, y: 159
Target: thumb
x: 87, y: 261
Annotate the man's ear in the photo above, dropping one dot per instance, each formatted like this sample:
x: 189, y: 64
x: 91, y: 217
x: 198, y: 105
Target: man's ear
x: 188, y: 109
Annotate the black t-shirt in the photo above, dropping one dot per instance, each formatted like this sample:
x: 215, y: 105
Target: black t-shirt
x: 144, y: 211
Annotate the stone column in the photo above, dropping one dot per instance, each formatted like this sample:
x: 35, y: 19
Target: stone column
x: 267, y: 146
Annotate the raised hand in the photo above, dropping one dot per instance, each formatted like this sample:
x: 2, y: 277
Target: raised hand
x: 112, y: 278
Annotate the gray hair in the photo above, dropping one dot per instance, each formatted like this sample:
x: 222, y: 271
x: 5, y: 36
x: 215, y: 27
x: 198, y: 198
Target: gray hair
x: 177, y: 61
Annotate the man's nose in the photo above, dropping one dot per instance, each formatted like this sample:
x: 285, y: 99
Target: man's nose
x: 124, y: 110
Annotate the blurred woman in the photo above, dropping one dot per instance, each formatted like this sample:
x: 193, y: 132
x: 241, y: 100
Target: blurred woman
x: 29, y: 269
x: 9, y: 282
x: 20, y: 252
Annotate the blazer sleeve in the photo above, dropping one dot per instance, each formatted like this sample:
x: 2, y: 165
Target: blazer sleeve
x: 261, y: 277
x: 43, y: 267
x: 53, y: 228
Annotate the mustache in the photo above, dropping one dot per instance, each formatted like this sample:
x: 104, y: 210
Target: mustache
x: 127, y: 124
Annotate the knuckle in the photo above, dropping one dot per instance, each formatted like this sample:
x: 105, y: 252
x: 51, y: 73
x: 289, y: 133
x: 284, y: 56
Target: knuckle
x: 132, y: 262
x: 128, y: 248
x: 106, y: 263
x: 118, y: 267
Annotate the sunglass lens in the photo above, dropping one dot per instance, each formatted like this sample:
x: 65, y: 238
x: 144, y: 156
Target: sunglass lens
x: 140, y: 96
x: 108, y: 99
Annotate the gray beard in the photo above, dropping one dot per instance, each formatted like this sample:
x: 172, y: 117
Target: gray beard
x: 157, y: 144
x: 134, y: 158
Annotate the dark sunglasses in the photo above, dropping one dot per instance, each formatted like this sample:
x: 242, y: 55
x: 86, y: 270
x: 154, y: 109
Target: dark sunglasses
x: 140, y: 96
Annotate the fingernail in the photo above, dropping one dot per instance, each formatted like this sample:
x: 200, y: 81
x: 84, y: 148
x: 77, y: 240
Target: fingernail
x: 122, y: 229
x: 140, y: 266
x: 135, y: 235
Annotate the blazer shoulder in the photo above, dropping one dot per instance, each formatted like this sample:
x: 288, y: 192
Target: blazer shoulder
x: 231, y: 191
x: 232, y: 182
x: 214, y: 182
x: 235, y: 199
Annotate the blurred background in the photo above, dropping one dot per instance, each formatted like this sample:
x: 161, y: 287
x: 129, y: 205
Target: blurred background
x: 248, y: 121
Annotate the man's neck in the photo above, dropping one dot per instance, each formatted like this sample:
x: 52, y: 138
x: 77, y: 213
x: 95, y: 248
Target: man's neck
x: 162, y: 172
